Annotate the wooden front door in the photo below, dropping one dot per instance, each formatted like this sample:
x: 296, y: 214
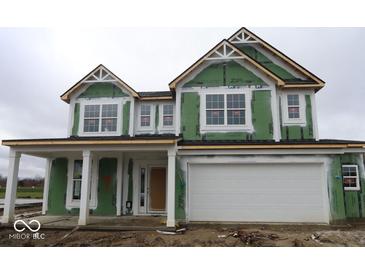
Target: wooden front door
x: 157, y: 189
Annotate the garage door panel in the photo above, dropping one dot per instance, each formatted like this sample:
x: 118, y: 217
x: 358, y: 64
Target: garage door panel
x: 260, y: 192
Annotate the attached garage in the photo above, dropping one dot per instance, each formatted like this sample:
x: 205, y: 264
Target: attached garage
x: 282, y: 192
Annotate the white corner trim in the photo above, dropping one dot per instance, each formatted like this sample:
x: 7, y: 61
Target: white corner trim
x: 131, y: 117
x: 301, y: 121
x: 248, y: 127
x: 314, y: 117
x: 275, y: 115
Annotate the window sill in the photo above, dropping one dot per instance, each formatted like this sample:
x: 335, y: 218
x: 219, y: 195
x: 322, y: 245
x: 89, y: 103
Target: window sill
x: 352, y: 188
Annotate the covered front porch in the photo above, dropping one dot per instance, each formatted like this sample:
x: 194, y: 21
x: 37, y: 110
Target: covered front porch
x: 91, y: 178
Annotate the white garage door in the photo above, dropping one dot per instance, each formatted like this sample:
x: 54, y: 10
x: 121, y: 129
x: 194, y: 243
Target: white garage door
x: 257, y: 193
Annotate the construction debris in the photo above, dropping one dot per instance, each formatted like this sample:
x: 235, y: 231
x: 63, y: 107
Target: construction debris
x: 177, y: 231
x: 251, y: 238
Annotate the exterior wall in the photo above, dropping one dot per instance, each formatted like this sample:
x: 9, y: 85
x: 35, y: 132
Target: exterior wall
x: 99, y: 93
x: 156, y: 118
x: 261, y: 113
x: 346, y: 204
x: 298, y: 132
x: 106, y: 194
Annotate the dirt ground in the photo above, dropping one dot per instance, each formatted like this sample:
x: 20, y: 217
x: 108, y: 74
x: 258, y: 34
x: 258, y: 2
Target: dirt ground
x: 201, y: 236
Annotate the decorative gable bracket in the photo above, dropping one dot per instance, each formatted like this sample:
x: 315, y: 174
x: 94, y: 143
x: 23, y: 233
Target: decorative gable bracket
x: 224, y: 51
x: 242, y: 37
x: 100, y: 75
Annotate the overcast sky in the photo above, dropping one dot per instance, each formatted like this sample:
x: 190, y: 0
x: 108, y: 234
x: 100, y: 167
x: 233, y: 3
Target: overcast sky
x: 38, y: 65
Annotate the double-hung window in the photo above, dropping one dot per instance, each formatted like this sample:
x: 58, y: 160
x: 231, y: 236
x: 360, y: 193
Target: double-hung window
x: 293, y: 106
x: 100, y: 118
x: 168, y: 115
x: 145, y: 116
x: 293, y: 109
x: 227, y: 110
x: 76, y: 180
x: 350, y: 177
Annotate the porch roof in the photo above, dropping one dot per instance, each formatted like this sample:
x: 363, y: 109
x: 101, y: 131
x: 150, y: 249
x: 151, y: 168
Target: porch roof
x: 271, y: 144
x: 165, y: 139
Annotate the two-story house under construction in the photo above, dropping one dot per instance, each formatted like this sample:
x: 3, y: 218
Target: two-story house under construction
x: 234, y: 139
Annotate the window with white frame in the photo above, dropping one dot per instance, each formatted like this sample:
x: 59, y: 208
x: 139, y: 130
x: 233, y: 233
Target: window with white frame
x: 76, y: 180
x: 100, y: 118
x: 168, y: 115
x: 145, y: 115
x: 225, y: 109
x: 293, y: 109
x: 350, y: 177
x: 293, y: 106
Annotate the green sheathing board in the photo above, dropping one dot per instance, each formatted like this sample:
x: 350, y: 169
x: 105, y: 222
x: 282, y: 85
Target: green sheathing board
x: 224, y: 74
x: 57, y: 187
x: 337, y: 198
x: 299, y: 132
x: 261, y: 119
x: 98, y: 90
x: 190, y: 104
x: 346, y: 204
x: 76, y: 121
x: 107, y: 187
x: 180, y: 191
x: 126, y: 114
x: 262, y: 115
x: 266, y: 62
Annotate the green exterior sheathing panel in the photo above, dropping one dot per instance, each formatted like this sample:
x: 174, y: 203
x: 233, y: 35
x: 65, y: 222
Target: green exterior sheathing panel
x: 190, y: 104
x: 337, y: 198
x: 98, y: 90
x: 75, y: 126
x: 224, y: 74
x: 57, y: 187
x: 228, y: 136
x: 261, y: 119
x: 346, y: 204
x: 107, y: 187
x: 130, y: 180
x: 298, y: 132
x: 261, y: 115
x: 180, y: 190
x: 267, y: 63
x: 126, y: 114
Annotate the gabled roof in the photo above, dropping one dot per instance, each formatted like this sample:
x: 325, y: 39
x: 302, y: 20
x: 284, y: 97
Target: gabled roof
x: 245, y: 36
x: 225, y: 50
x: 99, y: 74
x: 277, y: 73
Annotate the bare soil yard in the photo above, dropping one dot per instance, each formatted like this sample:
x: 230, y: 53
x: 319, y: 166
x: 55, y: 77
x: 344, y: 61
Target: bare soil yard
x: 201, y: 235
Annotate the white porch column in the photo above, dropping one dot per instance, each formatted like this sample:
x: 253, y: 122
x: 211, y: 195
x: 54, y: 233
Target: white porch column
x: 46, y: 185
x: 85, y: 187
x: 171, y: 188
x: 11, y: 186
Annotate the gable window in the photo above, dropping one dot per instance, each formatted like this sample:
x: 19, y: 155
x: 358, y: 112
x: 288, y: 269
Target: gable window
x: 293, y: 106
x: 236, y: 109
x: 350, y: 177
x: 226, y: 109
x: 168, y: 115
x: 293, y: 109
x: 145, y: 116
x: 100, y: 118
x: 215, y: 109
